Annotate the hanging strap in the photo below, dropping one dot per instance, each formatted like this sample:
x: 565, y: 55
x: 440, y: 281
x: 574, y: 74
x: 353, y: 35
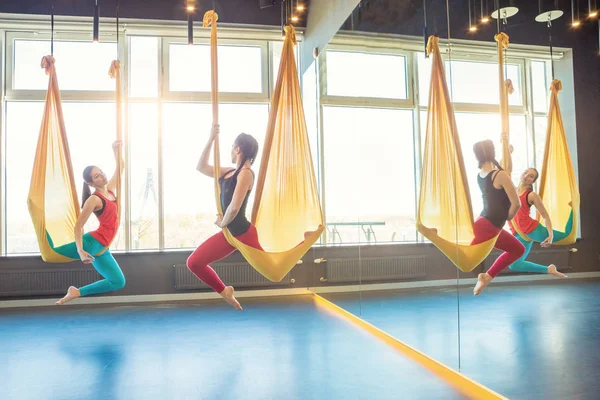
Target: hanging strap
x: 502, y: 39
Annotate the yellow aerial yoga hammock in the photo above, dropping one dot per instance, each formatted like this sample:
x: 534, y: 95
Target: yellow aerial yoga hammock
x: 52, y: 199
x: 558, y: 185
x: 286, y: 212
x: 505, y: 87
x: 444, y: 214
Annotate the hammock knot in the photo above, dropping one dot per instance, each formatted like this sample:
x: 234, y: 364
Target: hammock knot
x: 115, y: 67
x: 502, y: 38
x: 47, y: 64
x: 432, y: 44
x: 556, y: 85
x: 290, y: 33
x: 210, y: 17
x: 509, y: 86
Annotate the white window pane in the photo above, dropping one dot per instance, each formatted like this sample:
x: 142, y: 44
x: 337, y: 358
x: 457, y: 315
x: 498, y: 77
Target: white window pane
x: 144, y: 175
x: 311, y: 109
x: 472, y: 82
x: 369, y: 173
x: 366, y: 75
x: 540, y: 85
x: 541, y: 124
x: 477, y: 82
x: 79, y: 65
x: 240, y: 68
x: 189, y: 198
x: 22, y: 128
x: 424, y: 65
x: 144, y: 67
x: 91, y: 131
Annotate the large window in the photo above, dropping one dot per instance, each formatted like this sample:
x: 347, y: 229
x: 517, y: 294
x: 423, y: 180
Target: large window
x: 368, y: 147
x: 363, y: 117
x: 369, y: 174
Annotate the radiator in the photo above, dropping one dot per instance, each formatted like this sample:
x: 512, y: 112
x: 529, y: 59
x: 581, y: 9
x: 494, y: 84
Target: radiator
x: 558, y: 256
x: 44, y: 282
x: 375, y: 269
x: 235, y: 274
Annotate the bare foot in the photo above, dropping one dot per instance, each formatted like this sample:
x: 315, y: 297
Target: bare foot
x: 72, y: 293
x: 553, y: 271
x: 482, y: 281
x: 227, y: 294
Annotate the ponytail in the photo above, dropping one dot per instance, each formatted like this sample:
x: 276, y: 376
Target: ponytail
x: 85, y: 193
x: 497, y: 164
x: 87, y: 177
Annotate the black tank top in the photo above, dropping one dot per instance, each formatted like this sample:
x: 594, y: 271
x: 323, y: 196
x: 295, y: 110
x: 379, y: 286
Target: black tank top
x: 240, y: 223
x: 496, y: 203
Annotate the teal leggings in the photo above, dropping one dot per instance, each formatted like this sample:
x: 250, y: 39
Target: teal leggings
x: 539, y: 234
x: 105, y: 264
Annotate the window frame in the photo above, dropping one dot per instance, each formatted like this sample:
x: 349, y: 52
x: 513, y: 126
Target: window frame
x: 77, y: 29
x: 369, y: 102
x: 13, y: 94
x: 482, y: 107
x: 205, y: 96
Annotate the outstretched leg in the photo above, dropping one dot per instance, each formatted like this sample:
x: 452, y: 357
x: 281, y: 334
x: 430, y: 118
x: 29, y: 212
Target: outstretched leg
x: 213, y: 249
x: 521, y: 265
x: 484, y: 230
x: 105, y: 264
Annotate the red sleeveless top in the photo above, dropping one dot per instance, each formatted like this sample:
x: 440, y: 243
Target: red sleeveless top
x: 108, y: 218
x: 523, y: 219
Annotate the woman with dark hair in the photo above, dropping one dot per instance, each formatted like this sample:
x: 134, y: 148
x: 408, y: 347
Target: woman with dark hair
x: 500, y: 203
x: 103, y: 203
x: 532, y: 228
x: 236, y: 185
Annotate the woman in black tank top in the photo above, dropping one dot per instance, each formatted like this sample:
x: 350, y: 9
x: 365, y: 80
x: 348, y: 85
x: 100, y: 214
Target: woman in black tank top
x: 500, y: 203
x: 236, y: 185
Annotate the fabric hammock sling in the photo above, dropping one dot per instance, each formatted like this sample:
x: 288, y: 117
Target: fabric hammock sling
x: 505, y: 87
x: 558, y: 185
x: 286, y: 211
x: 445, y: 214
x: 52, y: 200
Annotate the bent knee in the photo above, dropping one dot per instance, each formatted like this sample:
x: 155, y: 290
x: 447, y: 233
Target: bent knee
x: 194, y: 263
x: 119, y: 282
x: 518, y: 252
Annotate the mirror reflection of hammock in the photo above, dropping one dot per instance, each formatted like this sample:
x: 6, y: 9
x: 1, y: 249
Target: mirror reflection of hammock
x: 445, y: 214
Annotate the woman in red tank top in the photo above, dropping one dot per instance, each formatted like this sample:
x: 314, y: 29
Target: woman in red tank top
x: 532, y: 228
x: 103, y: 203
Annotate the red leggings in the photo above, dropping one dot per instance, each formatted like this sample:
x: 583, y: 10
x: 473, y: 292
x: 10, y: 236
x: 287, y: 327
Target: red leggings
x: 513, y: 249
x: 214, y: 249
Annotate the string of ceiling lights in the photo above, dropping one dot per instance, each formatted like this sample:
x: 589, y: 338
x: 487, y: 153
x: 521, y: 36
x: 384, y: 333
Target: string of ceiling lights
x: 290, y: 13
x: 510, y: 10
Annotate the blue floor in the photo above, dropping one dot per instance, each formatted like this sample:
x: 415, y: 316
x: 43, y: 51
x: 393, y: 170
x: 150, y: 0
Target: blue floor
x: 525, y: 341
x: 282, y: 349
